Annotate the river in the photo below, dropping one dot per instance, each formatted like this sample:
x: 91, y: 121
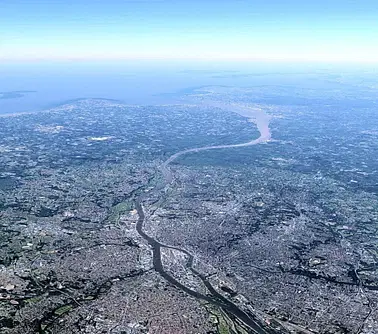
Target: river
x: 254, y: 324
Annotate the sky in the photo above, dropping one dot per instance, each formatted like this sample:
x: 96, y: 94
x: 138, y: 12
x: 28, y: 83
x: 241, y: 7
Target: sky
x: 276, y: 30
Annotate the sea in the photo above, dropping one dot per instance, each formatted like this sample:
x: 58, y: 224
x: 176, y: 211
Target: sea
x: 43, y: 85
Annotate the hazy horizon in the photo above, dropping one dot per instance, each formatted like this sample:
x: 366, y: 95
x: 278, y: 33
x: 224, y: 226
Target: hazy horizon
x: 337, y: 31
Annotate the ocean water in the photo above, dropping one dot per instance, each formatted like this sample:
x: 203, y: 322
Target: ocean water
x: 140, y: 83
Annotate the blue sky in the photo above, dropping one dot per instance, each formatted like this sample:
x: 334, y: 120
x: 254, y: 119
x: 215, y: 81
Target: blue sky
x: 284, y: 30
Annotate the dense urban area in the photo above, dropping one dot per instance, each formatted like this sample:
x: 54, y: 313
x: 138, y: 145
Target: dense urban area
x: 233, y: 211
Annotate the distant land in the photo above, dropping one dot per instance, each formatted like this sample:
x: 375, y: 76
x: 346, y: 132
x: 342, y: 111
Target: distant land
x: 15, y: 94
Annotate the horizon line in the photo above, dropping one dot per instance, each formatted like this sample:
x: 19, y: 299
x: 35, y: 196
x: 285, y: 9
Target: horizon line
x: 302, y: 60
